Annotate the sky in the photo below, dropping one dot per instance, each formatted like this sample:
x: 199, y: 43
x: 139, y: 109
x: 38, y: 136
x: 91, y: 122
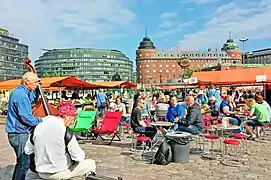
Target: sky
x: 120, y: 24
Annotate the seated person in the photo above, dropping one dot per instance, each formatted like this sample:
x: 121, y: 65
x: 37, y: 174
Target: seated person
x: 53, y: 158
x: 146, y: 109
x: 119, y: 106
x: 226, y: 110
x: 262, y: 116
x: 175, y: 112
x: 192, y: 123
x: 204, y: 108
x: 201, y: 97
x: 137, y: 124
x: 259, y: 99
x: 214, y: 106
x: 161, y: 108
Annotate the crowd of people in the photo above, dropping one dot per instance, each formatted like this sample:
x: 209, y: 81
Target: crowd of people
x: 36, y: 140
x: 246, y: 110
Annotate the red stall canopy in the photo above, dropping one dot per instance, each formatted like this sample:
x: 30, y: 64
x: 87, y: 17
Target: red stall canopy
x: 242, y: 76
x: 69, y: 82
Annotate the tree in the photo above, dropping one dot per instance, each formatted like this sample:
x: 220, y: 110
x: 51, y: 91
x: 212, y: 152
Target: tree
x: 46, y: 74
x: 188, y: 72
x: 116, y: 77
x: 53, y: 74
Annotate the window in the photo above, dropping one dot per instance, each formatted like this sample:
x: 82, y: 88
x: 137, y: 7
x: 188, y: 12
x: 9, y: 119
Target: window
x: 154, y: 71
x: 147, y: 65
x: 173, y: 65
x: 166, y: 65
x: 161, y: 65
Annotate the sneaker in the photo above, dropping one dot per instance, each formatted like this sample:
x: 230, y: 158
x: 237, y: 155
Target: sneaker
x: 261, y: 132
x: 251, y: 138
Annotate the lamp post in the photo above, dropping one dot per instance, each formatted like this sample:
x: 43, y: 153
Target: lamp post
x: 243, y: 42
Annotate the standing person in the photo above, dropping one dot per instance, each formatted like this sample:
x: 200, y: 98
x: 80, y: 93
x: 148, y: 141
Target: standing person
x: 101, y: 102
x: 20, y: 121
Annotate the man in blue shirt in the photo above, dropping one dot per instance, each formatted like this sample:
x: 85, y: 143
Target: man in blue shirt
x: 175, y: 112
x: 101, y: 102
x: 20, y: 121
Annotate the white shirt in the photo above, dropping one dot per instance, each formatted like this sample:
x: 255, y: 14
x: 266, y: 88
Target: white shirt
x: 49, y: 146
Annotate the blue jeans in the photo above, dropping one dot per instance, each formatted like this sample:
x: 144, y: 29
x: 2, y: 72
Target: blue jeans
x: 149, y: 131
x: 18, y: 142
x: 175, y: 127
x: 190, y: 129
x: 125, y: 119
x: 102, y: 111
x: 235, y: 121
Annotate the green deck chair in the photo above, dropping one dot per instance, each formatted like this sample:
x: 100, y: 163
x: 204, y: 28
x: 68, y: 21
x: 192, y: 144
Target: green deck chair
x: 84, y: 121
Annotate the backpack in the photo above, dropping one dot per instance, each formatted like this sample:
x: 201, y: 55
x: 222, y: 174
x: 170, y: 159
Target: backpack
x: 164, y: 154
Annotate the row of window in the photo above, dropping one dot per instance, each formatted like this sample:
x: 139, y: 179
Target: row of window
x: 91, y: 62
x: 198, y: 60
x: 7, y: 39
x: 14, y: 46
x: 173, y: 65
x: 85, y: 67
x: 260, y: 57
x: 188, y: 55
x: 80, y: 55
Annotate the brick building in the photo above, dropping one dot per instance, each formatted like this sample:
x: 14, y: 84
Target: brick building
x: 156, y: 66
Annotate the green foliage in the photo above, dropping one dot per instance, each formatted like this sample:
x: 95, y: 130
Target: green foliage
x: 53, y: 74
x: 46, y: 74
x: 188, y: 72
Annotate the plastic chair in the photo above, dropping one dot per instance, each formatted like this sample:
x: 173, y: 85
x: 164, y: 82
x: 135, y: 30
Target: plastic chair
x: 84, y: 121
x: 109, y: 126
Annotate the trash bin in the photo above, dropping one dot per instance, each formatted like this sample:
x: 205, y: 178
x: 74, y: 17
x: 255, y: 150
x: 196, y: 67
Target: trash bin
x: 180, y: 146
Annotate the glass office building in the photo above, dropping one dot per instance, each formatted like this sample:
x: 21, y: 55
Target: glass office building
x: 88, y: 64
x: 12, y: 54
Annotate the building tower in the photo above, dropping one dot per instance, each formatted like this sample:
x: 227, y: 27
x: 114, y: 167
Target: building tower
x: 144, y: 52
x: 233, y: 51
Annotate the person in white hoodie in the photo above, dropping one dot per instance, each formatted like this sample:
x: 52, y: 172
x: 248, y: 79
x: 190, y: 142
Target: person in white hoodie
x: 55, y: 158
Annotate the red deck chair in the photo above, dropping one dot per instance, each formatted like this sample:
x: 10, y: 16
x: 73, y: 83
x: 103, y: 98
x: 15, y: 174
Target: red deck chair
x: 109, y: 126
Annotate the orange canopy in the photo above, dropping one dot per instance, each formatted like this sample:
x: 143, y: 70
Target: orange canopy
x: 116, y: 84
x: 51, y: 82
x: 241, y: 76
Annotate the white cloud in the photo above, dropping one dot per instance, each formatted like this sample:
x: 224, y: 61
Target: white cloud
x: 174, y: 29
x: 169, y: 15
x: 170, y: 24
x: 65, y: 23
x: 199, y: 1
x: 251, y: 20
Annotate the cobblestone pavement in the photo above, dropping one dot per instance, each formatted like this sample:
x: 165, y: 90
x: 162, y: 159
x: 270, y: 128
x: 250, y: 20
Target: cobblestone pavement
x: 117, y: 160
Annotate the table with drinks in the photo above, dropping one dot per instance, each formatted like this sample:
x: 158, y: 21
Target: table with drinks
x: 225, y: 128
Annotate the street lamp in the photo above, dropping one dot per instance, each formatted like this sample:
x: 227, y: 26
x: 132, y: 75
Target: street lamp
x: 243, y: 54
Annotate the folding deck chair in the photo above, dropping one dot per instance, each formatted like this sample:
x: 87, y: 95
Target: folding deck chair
x: 109, y: 126
x: 84, y: 122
